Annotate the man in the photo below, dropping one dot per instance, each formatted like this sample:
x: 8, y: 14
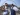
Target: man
x: 6, y: 9
x: 13, y: 9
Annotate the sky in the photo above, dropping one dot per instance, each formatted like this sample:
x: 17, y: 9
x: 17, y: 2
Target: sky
x: 15, y: 2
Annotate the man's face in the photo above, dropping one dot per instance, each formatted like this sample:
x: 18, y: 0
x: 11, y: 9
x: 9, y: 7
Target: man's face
x: 6, y: 4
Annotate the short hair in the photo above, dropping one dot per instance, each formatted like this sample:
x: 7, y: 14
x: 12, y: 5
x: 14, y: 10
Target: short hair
x: 13, y: 5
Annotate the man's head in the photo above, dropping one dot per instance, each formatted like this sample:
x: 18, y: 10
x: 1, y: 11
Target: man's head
x: 6, y: 4
x: 12, y: 4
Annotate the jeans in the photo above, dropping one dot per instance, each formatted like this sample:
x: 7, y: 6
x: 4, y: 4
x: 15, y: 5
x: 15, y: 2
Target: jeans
x: 12, y: 12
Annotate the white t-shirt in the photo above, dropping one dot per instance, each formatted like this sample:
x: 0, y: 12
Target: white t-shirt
x: 15, y: 8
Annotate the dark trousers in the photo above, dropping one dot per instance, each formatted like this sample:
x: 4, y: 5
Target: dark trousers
x: 13, y: 12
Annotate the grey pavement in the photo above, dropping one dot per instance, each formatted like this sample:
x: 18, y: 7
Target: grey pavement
x: 17, y: 14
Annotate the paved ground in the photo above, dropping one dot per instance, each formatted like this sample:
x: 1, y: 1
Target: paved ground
x: 17, y: 14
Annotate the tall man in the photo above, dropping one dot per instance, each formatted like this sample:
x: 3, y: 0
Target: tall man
x: 13, y: 9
